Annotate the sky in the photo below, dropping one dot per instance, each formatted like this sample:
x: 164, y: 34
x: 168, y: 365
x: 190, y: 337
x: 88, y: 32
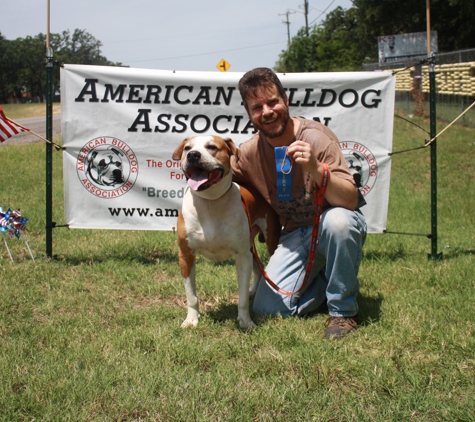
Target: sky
x: 175, y: 34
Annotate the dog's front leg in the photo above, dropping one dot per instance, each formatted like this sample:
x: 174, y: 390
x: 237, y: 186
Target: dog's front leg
x: 191, y: 300
x: 244, y: 270
x: 188, y: 271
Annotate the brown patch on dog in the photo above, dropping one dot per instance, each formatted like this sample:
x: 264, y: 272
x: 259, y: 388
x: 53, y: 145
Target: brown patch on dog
x: 186, y: 258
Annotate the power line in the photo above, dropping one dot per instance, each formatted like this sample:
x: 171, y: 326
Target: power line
x: 323, y: 12
x: 200, y: 54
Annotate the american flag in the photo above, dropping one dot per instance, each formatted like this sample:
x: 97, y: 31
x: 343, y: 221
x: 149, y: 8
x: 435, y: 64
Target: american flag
x: 8, y: 127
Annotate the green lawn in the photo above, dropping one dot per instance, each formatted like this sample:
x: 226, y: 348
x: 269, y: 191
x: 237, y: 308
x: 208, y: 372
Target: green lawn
x: 94, y: 335
x: 21, y: 111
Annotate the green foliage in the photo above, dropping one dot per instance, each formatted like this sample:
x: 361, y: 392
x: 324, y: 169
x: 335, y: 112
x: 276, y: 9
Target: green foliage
x: 94, y: 334
x: 11, y: 64
x: 330, y: 47
x: 22, y: 62
x: 347, y: 38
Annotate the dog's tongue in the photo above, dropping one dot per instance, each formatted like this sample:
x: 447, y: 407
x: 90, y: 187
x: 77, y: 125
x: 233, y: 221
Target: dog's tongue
x: 197, y: 178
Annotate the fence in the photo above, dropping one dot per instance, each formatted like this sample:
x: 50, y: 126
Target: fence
x: 455, y: 86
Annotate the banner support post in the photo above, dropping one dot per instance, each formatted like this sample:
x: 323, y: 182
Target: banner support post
x: 433, y: 160
x: 433, y: 146
x: 49, y: 136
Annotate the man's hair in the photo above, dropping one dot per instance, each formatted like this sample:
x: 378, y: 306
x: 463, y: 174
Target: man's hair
x: 261, y: 77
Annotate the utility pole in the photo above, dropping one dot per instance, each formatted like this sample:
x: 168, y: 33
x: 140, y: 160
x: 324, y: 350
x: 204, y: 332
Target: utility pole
x: 305, y: 8
x: 287, y: 22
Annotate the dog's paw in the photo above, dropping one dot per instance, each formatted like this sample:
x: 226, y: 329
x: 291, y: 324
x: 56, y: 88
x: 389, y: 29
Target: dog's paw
x: 189, y: 322
x: 246, y: 325
x: 191, y: 318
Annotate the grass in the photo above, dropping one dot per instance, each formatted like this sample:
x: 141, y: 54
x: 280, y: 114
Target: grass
x: 94, y: 334
x: 21, y: 111
x: 446, y: 111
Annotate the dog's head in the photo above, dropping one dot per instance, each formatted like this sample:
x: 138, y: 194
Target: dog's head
x: 105, y: 166
x: 205, y: 160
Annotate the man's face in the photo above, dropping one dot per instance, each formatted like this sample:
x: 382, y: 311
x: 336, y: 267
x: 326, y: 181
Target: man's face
x: 269, y: 112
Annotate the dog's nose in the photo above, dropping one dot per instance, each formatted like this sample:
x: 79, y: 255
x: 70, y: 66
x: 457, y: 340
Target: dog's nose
x: 193, y: 156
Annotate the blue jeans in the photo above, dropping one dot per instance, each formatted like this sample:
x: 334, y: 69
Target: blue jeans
x: 334, y: 276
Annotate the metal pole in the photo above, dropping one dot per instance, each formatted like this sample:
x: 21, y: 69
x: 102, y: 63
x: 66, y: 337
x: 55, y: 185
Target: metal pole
x: 433, y: 160
x: 287, y: 22
x: 433, y: 145
x: 306, y: 17
x: 49, y: 136
x: 288, y: 29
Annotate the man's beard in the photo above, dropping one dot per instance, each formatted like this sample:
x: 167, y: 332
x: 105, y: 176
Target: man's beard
x: 281, y: 131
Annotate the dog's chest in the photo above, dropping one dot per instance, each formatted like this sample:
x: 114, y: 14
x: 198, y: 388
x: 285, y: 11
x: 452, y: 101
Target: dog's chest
x: 217, y: 229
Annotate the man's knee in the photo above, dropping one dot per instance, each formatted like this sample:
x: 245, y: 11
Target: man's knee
x: 338, y: 222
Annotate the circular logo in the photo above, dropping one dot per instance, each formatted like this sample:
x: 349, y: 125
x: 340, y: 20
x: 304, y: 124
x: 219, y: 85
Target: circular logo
x: 107, y: 167
x: 362, y: 164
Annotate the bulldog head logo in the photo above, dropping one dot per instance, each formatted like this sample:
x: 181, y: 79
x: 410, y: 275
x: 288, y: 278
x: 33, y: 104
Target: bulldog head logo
x: 104, y: 166
x: 107, y: 167
x: 362, y: 164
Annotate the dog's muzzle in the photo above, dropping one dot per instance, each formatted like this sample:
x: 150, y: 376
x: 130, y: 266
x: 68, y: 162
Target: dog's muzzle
x: 199, y: 176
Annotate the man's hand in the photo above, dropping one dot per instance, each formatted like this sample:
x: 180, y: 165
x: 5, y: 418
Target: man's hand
x: 340, y: 192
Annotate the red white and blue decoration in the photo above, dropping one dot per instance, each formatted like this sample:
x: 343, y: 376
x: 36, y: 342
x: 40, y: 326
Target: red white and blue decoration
x: 13, y: 224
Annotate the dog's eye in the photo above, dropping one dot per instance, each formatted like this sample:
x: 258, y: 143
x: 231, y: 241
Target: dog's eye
x: 211, y: 147
x: 117, y: 164
x: 187, y: 148
x: 102, y: 163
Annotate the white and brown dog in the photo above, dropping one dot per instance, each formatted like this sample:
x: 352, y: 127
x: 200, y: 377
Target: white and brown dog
x: 214, y: 223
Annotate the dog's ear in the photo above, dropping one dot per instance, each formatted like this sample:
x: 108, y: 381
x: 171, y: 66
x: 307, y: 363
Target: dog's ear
x: 231, y: 145
x: 179, y: 150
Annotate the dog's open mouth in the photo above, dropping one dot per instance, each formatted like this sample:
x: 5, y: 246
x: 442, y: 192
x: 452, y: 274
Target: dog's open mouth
x: 200, y: 179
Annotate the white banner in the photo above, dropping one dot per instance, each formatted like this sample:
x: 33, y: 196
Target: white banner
x: 120, y: 127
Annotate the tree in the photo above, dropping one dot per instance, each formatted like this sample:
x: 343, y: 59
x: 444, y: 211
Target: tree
x: 80, y: 47
x: 23, y: 62
x: 10, y: 68
x: 452, y: 19
x: 33, y: 71
x: 332, y: 46
x: 347, y: 38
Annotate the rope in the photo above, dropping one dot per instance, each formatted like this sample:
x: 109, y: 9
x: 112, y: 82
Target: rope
x: 440, y: 133
x: 412, y: 123
x: 58, y: 147
x: 436, y: 136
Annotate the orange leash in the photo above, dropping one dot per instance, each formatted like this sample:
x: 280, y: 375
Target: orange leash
x: 319, y: 197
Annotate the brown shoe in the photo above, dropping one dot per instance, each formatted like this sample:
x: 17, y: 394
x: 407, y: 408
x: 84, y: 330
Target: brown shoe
x: 338, y: 327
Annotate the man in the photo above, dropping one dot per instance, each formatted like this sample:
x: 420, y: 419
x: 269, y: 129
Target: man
x: 289, y: 151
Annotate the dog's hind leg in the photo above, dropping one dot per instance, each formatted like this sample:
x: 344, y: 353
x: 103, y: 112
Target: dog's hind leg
x: 256, y: 274
x: 244, y: 270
